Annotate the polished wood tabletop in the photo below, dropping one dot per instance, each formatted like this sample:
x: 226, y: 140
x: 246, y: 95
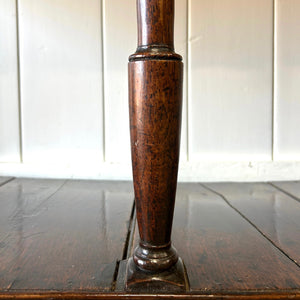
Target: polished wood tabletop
x: 64, y: 239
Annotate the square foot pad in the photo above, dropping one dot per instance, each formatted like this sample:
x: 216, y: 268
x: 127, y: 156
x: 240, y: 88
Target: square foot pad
x: 132, y: 279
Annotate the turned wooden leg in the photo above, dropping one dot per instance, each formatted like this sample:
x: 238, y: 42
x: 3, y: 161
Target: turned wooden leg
x: 155, y: 103
x: 155, y: 107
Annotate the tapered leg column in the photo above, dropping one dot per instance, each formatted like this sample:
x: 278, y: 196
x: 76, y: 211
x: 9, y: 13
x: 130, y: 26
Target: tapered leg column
x: 155, y: 104
x: 155, y: 120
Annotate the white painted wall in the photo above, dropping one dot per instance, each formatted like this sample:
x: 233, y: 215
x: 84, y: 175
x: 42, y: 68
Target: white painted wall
x: 287, y: 81
x: 9, y: 100
x: 63, y: 88
x: 230, y: 80
x: 61, y: 81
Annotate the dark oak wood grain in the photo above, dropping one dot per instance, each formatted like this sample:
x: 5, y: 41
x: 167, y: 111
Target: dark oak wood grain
x: 62, y: 236
x: 291, y: 188
x: 155, y: 128
x: 62, y: 240
x: 155, y: 20
x: 222, y: 251
x: 274, y: 213
x: 155, y: 105
x: 258, y: 295
x: 19, y: 200
x: 155, y: 23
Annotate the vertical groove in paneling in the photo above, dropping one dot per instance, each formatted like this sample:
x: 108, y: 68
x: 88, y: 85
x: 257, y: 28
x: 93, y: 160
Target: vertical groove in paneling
x: 83, y: 118
x: 9, y: 119
x: 120, y: 40
x: 287, y: 80
x: 61, y: 91
x: 19, y: 82
x: 230, y: 107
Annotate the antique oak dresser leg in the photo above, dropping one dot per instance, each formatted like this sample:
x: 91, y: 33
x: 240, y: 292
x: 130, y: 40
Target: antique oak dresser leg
x: 155, y: 102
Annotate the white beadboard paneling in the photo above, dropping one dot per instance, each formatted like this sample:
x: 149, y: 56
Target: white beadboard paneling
x: 230, y: 79
x: 9, y: 107
x: 61, y: 75
x: 120, y: 40
x: 287, y: 80
x: 204, y: 171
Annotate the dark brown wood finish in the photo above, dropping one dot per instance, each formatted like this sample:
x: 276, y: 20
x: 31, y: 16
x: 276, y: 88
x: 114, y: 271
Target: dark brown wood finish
x: 274, y: 213
x: 155, y: 101
x: 264, y: 295
x: 155, y: 23
x: 64, y: 240
x: 224, y: 253
x: 20, y: 200
x: 57, y: 236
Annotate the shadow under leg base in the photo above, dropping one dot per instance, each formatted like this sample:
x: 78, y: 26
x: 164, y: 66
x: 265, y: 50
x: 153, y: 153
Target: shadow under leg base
x: 174, y: 280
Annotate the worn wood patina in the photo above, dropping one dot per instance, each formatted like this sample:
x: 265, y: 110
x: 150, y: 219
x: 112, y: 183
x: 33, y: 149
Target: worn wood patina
x: 155, y: 105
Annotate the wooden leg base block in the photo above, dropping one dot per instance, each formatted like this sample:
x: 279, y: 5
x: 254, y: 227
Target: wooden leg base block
x: 132, y: 279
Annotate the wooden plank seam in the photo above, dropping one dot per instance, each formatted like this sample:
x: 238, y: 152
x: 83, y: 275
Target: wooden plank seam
x: 284, y: 191
x: 247, y: 219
